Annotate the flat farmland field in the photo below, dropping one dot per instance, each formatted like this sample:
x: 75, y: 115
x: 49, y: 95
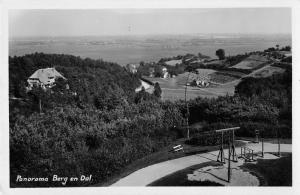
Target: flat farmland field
x: 174, y: 88
x: 180, y: 80
x: 251, y: 62
x: 203, y: 74
x: 173, y: 62
x: 194, y: 92
x: 178, y: 94
x: 267, y: 71
x: 221, y: 78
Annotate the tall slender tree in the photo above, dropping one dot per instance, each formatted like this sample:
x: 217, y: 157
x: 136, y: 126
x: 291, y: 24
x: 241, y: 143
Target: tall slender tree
x: 157, y: 90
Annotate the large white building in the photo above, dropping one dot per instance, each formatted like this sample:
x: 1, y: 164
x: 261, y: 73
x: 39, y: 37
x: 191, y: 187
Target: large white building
x: 44, y: 77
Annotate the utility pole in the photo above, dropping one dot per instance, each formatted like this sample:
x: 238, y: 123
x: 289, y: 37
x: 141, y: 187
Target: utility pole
x: 187, y: 108
x: 40, y: 104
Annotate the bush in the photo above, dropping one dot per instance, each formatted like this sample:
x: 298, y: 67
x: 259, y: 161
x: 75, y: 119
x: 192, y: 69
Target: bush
x: 69, y: 141
x: 209, y: 139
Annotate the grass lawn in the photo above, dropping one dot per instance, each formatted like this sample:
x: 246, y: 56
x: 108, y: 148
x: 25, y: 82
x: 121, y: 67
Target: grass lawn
x: 273, y: 172
x: 163, y: 155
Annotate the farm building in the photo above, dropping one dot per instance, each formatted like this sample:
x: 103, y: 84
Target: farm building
x: 146, y: 85
x: 132, y: 68
x: 202, y: 83
x: 44, y: 77
x: 165, y: 72
x: 151, y: 72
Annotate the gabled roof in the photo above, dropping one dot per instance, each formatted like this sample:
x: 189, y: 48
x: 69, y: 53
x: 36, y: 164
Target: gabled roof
x: 44, y: 75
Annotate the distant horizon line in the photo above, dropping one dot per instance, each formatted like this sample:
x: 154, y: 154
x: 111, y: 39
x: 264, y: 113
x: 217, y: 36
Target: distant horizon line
x: 156, y: 34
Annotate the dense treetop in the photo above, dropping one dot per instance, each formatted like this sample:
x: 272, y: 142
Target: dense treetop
x: 84, y: 75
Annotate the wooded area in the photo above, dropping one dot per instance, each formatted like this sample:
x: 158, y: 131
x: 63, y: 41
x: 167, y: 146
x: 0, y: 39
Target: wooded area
x: 106, y: 125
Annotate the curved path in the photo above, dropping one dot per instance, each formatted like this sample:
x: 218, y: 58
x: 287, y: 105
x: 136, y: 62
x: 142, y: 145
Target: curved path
x: 149, y: 174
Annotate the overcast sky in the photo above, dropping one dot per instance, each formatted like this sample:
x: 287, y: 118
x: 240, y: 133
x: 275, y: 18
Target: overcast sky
x: 148, y: 21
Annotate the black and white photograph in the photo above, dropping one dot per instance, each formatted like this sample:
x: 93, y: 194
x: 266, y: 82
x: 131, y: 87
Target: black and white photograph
x: 152, y: 97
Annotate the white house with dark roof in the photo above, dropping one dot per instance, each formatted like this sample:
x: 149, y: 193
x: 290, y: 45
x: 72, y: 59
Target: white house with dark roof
x: 165, y: 73
x: 132, y: 68
x: 44, y: 77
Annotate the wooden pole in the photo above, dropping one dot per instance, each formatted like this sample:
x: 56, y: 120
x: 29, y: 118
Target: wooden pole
x: 233, y: 147
x: 262, y: 146
x: 187, y: 108
x: 278, y: 141
x: 40, y: 105
x: 233, y: 137
x: 229, y: 171
x: 227, y: 129
x: 278, y: 146
x: 222, y: 149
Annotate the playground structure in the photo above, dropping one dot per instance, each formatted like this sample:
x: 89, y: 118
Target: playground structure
x: 231, y: 149
x: 221, y: 157
x: 248, y: 154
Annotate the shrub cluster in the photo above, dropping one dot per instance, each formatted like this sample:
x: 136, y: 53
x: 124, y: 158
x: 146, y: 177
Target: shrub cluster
x: 70, y: 141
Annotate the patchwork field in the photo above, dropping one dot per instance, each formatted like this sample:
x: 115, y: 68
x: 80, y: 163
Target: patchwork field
x: 251, y: 62
x: 180, y: 80
x: 214, y: 62
x: 173, y: 62
x: 267, y: 71
x: 221, y: 82
x: 174, y: 88
x: 203, y: 74
x: 194, y: 92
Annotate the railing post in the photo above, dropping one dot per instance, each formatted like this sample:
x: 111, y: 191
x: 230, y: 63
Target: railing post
x: 278, y: 147
x: 229, y: 171
x: 262, y: 142
x: 241, y: 151
x: 222, y: 157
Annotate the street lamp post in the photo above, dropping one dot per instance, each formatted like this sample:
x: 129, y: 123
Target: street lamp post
x: 187, y: 108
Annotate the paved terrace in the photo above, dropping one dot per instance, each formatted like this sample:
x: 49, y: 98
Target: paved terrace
x: 149, y: 174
